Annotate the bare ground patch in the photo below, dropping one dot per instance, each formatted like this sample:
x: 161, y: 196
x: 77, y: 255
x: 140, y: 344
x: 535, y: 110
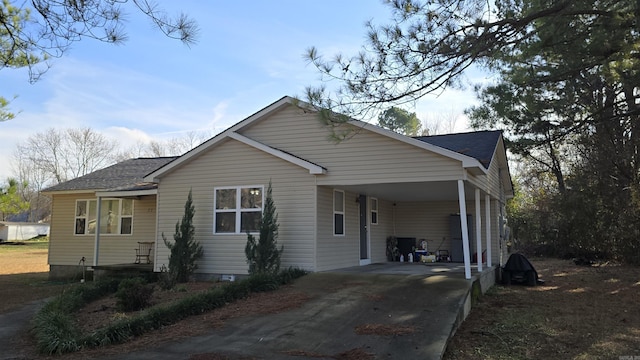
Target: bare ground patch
x: 579, y: 313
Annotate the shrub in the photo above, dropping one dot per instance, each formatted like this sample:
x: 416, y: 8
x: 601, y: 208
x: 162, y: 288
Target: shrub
x: 56, y: 334
x: 263, y: 255
x: 133, y: 294
x: 166, y: 279
x: 185, y: 251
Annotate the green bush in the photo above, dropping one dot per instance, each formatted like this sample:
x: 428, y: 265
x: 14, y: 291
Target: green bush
x: 56, y: 333
x: 263, y: 255
x: 53, y: 325
x: 167, y: 279
x: 134, y: 294
x: 185, y: 250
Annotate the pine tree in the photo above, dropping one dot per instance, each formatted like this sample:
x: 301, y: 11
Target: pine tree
x: 263, y: 255
x: 185, y: 251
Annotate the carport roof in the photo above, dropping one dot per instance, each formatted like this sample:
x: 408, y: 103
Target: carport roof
x: 480, y: 145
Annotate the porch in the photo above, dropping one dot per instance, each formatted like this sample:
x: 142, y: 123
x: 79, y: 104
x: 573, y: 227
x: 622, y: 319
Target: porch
x: 123, y: 270
x: 456, y: 218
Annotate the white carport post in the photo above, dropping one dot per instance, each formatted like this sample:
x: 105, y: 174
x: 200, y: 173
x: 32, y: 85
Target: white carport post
x: 478, y: 230
x: 96, y: 245
x: 487, y: 206
x: 465, y: 230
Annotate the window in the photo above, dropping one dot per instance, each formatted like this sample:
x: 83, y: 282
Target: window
x: 237, y: 209
x: 374, y: 211
x: 338, y: 212
x: 116, y: 216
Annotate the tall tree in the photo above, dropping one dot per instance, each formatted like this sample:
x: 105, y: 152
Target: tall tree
x: 173, y: 147
x: 55, y: 155
x: 11, y: 203
x: 429, y: 45
x: 400, y: 121
x: 33, y: 32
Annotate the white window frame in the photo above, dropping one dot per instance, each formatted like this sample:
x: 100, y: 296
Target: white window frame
x: 94, y: 203
x: 238, y: 208
x: 374, y: 210
x: 338, y: 212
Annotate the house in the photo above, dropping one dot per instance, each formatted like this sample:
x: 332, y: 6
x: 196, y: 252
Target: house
x: 18, y: 231
x: 337, y: 202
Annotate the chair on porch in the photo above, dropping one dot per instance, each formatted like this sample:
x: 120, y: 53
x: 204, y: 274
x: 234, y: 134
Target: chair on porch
x: 143, y: 252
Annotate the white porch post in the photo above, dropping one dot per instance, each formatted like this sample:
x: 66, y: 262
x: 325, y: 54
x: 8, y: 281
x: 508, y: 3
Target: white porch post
x: 465, y: 230
x: 487, y: 207
x: 478, y: 231
x: 96, y: 245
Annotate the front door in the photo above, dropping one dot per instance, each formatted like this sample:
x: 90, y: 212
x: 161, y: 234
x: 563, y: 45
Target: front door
x: 364, y: 234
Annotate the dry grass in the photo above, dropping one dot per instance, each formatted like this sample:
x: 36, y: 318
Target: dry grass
x: 579, y: 313
x: 24, y: 274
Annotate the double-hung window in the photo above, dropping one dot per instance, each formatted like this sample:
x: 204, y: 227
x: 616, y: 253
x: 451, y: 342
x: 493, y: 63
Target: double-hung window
x: 374, y: 211
x: 238, y: 209
x: 338, y: 212
x: 116, y: 216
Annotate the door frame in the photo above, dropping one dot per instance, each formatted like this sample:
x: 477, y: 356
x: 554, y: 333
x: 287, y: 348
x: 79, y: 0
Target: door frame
x: 364, y: 223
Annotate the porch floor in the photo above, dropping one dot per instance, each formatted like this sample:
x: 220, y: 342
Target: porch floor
x: 122, y: 270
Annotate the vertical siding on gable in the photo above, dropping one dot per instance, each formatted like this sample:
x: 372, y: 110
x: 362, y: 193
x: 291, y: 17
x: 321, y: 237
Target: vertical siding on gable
x: 366, y: 157
x: 66, y: 248
x: 235, y: 164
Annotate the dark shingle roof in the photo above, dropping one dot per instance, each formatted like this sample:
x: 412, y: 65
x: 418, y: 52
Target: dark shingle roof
x: 479, y: 144
x: 126, y: 175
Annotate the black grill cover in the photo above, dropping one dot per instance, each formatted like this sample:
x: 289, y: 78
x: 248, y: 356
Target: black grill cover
x: 518, y: 263
x: 519, y: 269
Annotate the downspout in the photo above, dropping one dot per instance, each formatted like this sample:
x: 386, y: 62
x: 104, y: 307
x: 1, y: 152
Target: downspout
x: 96, y: 245
x: 465, y: 229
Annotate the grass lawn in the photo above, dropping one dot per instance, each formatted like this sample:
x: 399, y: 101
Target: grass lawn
x: 24, y: 273
x: 579, y: 313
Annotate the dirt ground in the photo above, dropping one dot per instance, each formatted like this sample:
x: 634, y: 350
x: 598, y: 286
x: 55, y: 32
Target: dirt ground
x: 581, y: 312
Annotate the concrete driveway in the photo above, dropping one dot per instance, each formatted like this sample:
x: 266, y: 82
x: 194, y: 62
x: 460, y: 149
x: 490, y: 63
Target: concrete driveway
x: 428, y: 305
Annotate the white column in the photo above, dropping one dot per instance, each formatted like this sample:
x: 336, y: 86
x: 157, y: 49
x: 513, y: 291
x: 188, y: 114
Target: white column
x: 478, y: 231
x: 487, y: 209
x: 465, y: 230
x: 96, y: 245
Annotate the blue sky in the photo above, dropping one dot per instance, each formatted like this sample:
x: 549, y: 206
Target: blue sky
x: 151, y: 87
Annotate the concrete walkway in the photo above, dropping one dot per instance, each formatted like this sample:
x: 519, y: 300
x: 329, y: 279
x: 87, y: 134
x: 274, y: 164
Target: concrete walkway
x: 427, y: 300
x: 12, y: 325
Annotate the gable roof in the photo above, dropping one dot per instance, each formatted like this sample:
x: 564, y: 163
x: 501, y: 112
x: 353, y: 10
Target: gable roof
x: 127, y: 175
x: 480, y: 145
x: 469, y: 161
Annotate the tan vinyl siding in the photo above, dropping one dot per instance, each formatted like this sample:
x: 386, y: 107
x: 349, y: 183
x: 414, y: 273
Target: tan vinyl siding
x: 431, y: 221
x: 235, y: 164
x: 336, y: 251
x: 380, y: 232
x: 66, y: 248
x: 426, y: 220
x: 364, y: 158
